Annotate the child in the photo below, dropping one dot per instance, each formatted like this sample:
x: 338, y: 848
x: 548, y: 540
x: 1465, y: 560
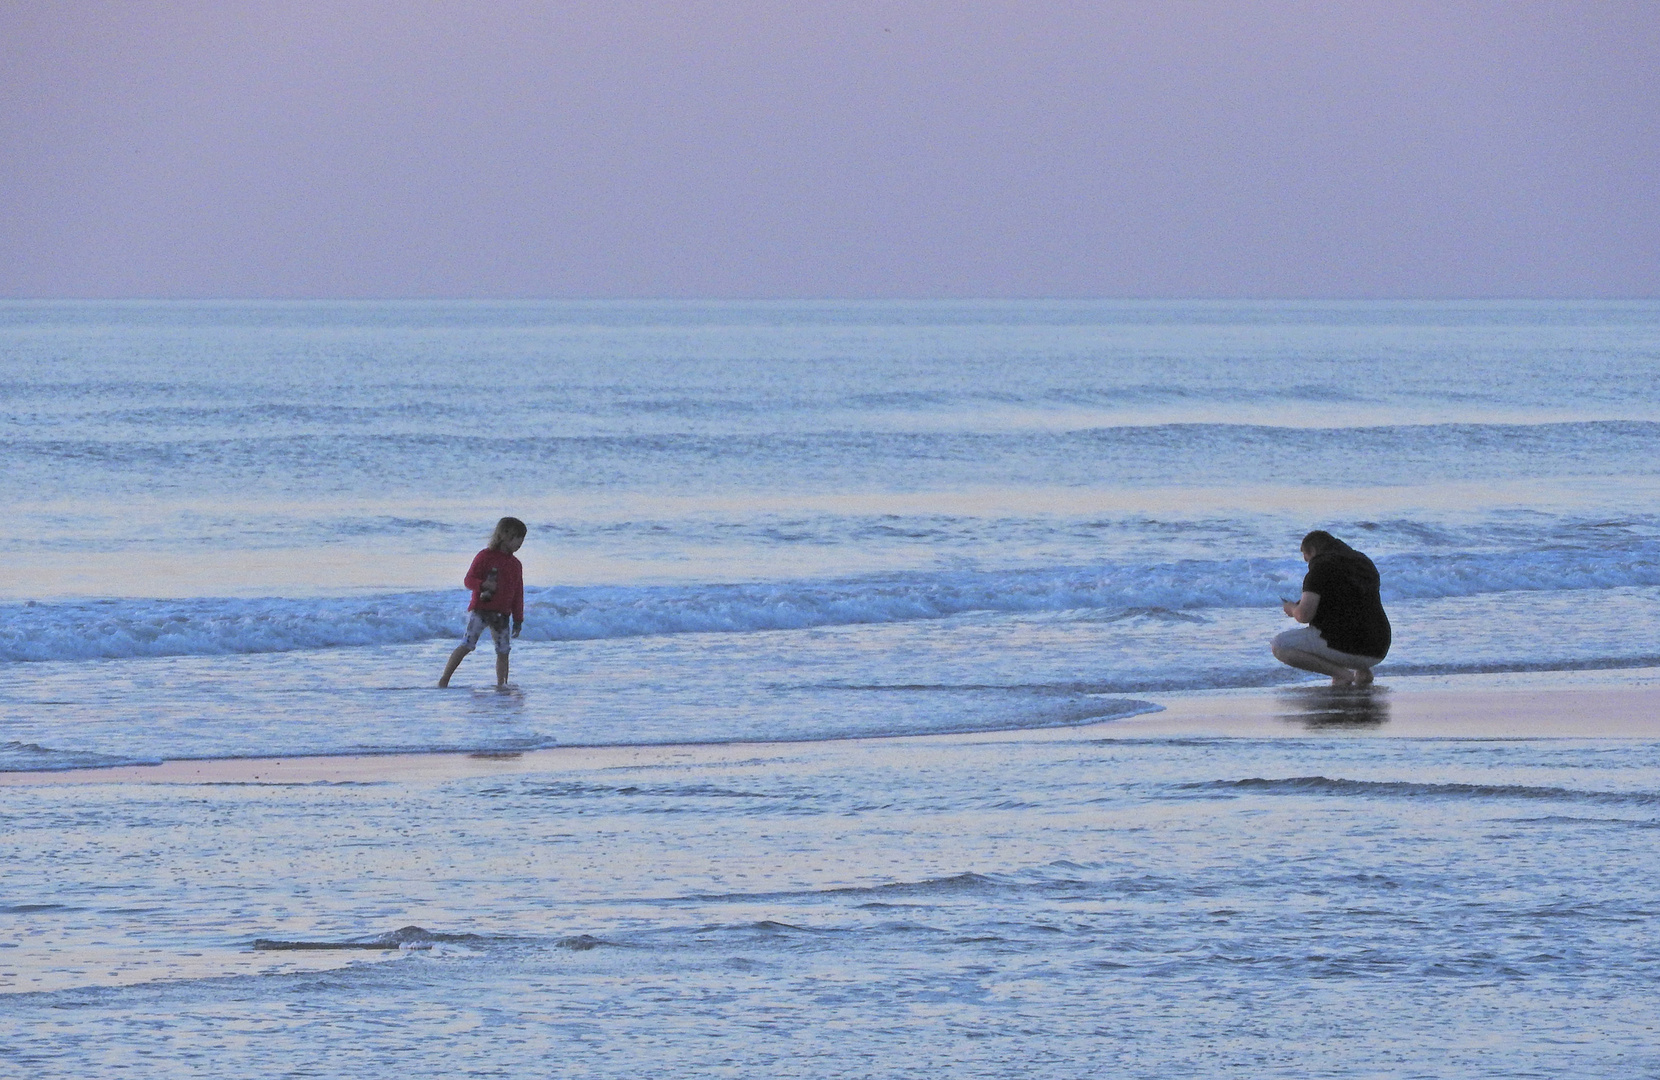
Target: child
x: 498, y: 585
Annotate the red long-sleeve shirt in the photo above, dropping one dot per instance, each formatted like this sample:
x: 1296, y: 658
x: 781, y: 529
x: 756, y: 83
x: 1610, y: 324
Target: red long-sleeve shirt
x: 510, y: 583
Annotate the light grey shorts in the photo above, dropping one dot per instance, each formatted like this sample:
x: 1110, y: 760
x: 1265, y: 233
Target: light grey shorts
x: 502, y: 635
x: 1307, y: 639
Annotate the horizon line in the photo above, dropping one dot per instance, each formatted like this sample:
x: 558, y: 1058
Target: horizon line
x: 678, y: 298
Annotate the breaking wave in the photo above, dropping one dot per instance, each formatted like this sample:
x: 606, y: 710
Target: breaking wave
x: 107, y: 629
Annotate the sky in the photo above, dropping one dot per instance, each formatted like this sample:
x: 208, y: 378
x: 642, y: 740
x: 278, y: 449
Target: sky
x: 508, y: 148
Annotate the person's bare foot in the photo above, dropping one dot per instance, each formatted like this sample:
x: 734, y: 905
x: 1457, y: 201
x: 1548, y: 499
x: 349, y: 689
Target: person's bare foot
x: 1363, y: 676
x: 1345, y: 679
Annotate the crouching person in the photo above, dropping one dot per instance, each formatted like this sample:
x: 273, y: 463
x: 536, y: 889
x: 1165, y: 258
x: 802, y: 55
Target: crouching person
x: 1347, y: 633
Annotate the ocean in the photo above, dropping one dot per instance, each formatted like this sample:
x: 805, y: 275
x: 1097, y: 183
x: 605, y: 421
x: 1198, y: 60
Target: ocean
x: 771, y: 543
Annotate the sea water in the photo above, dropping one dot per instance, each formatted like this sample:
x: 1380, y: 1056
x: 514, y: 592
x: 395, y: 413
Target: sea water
x: 237, y: 529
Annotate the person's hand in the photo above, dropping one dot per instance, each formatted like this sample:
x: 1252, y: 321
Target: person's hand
x: 1285, y: 606
x: 517, y: 627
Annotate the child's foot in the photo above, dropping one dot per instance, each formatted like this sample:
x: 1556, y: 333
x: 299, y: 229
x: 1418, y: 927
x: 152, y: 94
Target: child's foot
x: 1345, y: 679
x: 1363, y: 676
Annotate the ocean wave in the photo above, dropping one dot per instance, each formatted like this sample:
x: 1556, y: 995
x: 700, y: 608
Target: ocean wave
x: 17, y: 756
x: 940, y: 887
x: 405, y: 938
x: 1324, y: 785
x: 109, y: 629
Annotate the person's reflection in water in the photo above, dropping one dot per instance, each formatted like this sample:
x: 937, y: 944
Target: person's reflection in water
x: 1328, y: 708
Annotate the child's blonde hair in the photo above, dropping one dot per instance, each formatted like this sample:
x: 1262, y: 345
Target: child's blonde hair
x: 508, y: 528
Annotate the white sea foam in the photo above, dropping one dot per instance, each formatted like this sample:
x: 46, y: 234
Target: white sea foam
x: 134, y: 628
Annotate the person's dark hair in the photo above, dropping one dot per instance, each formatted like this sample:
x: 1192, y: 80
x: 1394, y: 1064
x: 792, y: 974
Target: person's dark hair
x: 1320, y: 541
x: 508, y: 528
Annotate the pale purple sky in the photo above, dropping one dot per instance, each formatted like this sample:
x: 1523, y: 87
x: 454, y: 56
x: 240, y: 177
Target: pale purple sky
x: 505, y: 148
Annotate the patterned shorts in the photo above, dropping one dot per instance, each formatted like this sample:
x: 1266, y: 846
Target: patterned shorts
x: 500, y: 630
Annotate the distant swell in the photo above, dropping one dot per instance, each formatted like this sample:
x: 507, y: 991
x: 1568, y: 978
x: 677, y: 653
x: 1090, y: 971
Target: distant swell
x: 18, y: 756
x: 942, y: 887
x: 1322, y: 785
x: 106, y: 629
x: 408, y: 937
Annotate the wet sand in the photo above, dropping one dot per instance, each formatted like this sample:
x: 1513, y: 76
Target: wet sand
x: 1582, y: 713
x: 1404, y: 708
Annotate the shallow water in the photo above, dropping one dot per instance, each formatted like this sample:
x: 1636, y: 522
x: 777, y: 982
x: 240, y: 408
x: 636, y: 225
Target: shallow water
x: 1299, y: 906
x: 237, y: 529
x: 979, y: 671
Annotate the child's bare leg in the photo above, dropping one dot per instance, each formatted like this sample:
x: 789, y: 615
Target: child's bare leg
x: 501, y: 669
x: 453, y: 663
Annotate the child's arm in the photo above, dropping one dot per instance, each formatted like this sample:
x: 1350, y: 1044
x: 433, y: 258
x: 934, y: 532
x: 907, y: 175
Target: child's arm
x: 475, y: 572
x: 518, y: 596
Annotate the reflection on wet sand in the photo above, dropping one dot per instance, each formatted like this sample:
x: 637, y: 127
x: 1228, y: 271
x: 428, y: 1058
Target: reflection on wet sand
x: 1319, y: 708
